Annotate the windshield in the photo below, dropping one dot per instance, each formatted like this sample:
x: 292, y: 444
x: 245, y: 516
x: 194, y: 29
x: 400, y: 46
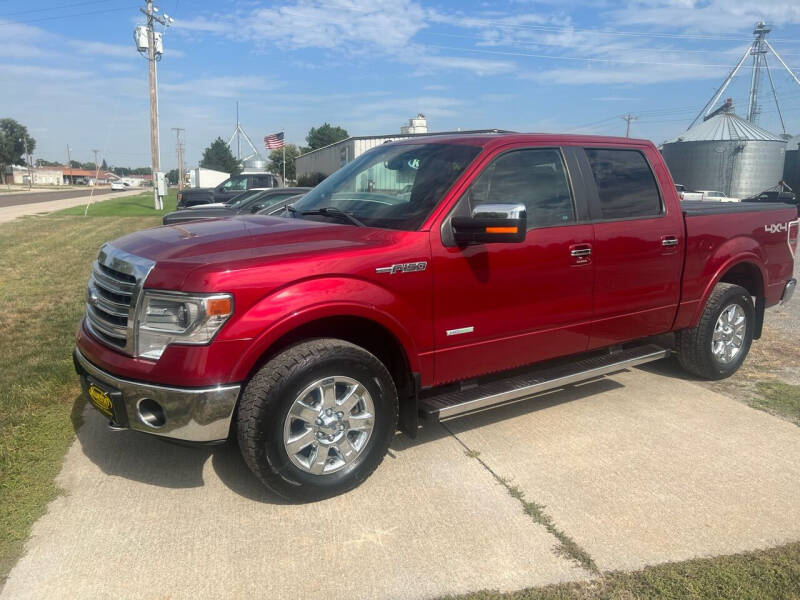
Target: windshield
x: 240, y: 200
x: 392, y: 186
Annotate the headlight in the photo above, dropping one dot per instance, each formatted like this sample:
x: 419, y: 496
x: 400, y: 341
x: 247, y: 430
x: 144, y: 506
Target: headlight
x: 166, y: 318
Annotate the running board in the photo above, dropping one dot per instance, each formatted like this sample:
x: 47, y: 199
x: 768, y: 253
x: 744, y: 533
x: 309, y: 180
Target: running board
x: 455, y: 403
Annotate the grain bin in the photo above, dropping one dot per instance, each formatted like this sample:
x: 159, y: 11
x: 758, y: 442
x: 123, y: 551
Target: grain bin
x: 727, y: 154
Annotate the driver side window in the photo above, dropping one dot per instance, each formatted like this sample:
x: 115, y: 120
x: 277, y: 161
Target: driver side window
x: 235, y: 184
x: 536, y: 178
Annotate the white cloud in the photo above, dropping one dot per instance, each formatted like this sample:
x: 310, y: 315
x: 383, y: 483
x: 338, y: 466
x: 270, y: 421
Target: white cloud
x: 478, y: 66
x: 372, y: 28
x: 218, y: 87
x: 91, y: 48
x: 706, y: 16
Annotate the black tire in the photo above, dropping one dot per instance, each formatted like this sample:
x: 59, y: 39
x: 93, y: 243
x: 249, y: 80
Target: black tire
x: 270, y: 394
x: 694, y: 345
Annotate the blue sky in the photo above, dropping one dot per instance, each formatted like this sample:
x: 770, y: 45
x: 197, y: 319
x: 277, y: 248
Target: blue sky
x: 71, y: 74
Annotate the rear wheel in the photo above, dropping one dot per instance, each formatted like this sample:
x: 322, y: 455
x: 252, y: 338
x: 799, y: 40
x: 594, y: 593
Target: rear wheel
x: 717, y: 347
x: 317, y: 419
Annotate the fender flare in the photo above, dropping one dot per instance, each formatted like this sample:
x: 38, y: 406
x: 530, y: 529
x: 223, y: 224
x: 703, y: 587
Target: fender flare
x: 262, y: 343
x: 743, y: 258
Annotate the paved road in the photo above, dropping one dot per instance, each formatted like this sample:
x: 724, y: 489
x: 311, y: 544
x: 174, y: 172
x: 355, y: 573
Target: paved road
x: 637, y: 468
x: 34, y: 197
x: 9, y: 213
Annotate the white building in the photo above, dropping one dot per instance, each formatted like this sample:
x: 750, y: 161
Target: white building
x: 16, y: 174
x: 418, y: 124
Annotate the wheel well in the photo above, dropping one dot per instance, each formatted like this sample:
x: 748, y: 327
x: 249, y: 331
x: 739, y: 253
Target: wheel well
x: 368, y: 334
x: 749, y: 277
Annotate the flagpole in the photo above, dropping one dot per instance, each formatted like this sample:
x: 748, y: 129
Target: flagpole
x: 284, y: 161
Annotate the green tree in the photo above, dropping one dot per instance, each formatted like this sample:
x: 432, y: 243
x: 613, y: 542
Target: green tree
x: 276, y: 161
x: 219, y: 157
x: 325, y: 135
x: 40, y: 162
x: 172, y: 176
x: 12, y: 145
x: 104, y: 166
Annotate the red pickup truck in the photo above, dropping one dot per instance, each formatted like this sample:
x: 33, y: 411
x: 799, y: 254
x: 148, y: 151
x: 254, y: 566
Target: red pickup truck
x: 430, y: 277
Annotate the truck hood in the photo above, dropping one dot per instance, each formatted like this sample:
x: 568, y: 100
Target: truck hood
x: 242, y: 242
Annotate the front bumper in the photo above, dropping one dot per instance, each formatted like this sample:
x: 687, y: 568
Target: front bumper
x: 788, y: 291
x: 189, y: 414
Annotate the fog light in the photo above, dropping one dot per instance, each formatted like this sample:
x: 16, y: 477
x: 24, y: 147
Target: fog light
x: 151, y: 413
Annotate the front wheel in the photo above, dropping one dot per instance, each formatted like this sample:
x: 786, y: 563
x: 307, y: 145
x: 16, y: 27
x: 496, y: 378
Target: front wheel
x: 717, y: 347
x: 317, y: 419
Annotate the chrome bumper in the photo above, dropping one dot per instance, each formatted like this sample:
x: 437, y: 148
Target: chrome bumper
x: 788, y: 291
x: 191, y: 415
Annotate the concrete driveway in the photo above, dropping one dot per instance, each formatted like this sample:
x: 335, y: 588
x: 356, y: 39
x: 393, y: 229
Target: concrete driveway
x: 636, y: 468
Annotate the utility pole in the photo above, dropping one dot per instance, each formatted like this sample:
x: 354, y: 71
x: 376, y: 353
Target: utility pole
x: 628, y: 118
x: 179, y: 147
x: 28, y: 162
x: 69, y: 165
x: 153, y: 54
x: 96, y: 166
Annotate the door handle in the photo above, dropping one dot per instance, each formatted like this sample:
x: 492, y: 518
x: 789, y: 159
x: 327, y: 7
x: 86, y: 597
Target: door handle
x: 669, y: 240
x: 580, y: 250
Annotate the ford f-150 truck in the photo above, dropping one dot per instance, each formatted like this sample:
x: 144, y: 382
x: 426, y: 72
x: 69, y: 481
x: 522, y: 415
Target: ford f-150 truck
x: 430, y: 277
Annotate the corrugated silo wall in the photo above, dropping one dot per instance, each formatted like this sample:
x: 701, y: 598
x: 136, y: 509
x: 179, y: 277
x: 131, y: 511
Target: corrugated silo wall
x: 737, y: 168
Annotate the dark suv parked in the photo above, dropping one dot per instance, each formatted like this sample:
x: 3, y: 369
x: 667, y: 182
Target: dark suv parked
x: 226, y: 190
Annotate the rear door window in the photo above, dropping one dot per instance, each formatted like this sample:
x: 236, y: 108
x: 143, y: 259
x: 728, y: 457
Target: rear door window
x: 625, y: 184
x: 261, y: 181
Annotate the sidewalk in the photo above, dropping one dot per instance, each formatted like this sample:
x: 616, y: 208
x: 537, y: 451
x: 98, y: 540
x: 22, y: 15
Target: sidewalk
x: 9, y: 213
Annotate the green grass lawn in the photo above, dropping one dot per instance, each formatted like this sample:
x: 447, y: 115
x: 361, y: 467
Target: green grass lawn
x: 766, y: 574
x: 44, y: 267
x: 140, y: 205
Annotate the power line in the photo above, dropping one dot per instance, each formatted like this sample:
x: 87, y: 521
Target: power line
x: 57, y: 7
x: 73, y: 15
x: 584, y: 58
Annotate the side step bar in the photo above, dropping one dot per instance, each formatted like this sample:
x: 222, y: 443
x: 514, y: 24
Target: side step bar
x: 455, y: 403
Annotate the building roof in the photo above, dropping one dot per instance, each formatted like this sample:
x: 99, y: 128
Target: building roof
x: 399, y: 136
x: 726, y: 126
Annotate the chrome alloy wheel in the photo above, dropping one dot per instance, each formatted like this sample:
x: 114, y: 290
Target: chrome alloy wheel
x: 728, y: 338
x: 328, y: 425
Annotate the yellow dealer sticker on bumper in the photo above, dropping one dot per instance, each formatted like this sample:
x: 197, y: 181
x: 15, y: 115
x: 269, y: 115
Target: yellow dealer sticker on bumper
x: 101, y: 400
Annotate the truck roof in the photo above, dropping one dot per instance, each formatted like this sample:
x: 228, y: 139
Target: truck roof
x: 489, y: 140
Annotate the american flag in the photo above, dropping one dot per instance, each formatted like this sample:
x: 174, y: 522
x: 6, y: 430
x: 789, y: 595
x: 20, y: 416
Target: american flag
x: 274, y: 141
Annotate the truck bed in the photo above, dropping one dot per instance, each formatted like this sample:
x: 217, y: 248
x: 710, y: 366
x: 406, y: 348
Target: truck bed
x: 697, y: 208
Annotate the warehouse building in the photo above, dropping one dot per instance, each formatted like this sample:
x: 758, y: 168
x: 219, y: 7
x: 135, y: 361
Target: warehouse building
x: 329, y: 159
x: 19, y: 175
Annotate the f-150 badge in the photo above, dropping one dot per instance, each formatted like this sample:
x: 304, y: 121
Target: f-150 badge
x: 403, y: 268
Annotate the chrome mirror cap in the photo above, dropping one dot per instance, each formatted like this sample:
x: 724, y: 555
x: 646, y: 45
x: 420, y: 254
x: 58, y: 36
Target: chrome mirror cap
x: 499, y: 211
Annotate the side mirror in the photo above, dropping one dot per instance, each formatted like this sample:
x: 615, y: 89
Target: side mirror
x: 491, y: 223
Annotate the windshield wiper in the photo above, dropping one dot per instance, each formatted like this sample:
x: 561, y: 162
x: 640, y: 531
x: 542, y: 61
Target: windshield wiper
x: 330, y: 211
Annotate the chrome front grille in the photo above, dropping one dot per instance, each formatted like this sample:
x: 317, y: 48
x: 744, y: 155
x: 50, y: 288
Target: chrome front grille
x: 114, y: 287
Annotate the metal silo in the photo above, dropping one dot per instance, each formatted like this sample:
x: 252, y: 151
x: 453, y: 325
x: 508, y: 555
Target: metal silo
x: 727, y: 154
